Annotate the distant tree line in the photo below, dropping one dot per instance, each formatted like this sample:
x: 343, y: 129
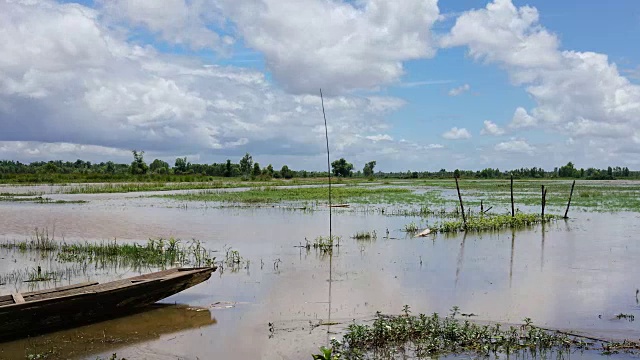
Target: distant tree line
x: 248, y: 169
x: 568, y: 171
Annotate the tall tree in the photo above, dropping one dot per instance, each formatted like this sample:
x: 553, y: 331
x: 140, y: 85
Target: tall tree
x: 368, y: 168
x: 228, y: 170
x: 342, y: 168
x: 138, y: 166
x: 246, y: 165
x: 159, y: 167
x: 181, y: 166
x: 285, y: 172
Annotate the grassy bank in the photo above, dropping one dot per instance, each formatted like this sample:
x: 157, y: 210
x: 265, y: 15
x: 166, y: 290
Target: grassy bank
x: 38, y: 200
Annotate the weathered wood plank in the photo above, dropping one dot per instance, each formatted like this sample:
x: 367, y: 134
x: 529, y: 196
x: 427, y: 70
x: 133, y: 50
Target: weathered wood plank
x: 17, y: 298
x: 61, y: 288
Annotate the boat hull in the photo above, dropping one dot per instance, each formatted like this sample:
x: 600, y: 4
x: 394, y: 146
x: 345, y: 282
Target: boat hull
x: 93, y: 303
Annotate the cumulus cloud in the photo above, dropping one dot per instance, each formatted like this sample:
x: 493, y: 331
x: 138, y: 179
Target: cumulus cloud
x: 522, y: 119
x: 66, y: 78
x: 459, y: 90
x: 335, y: 45
x: 491, y: 128
x: 176, y: 22
x: 515, y: 146
x: 457, y: 134
x: 578, y: 93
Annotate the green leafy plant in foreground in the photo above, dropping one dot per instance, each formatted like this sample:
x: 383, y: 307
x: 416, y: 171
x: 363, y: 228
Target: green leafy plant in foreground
x: 427, y: 336
x: 326, y: 354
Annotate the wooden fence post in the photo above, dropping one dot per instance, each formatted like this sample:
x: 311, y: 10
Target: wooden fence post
x: 464, y: 219
x: 569, y: 203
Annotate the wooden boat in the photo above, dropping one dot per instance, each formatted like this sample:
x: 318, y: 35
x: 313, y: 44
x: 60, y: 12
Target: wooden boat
x: 35, y: 312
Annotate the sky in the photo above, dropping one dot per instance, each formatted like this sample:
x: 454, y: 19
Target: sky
x: 414, y: 85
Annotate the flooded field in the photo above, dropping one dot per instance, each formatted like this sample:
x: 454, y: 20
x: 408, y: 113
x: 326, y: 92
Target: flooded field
x: 282, y: 300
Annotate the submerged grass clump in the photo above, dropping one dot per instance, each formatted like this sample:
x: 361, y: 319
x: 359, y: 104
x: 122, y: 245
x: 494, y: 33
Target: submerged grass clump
x: 324, y: 244
x: 494, y: 222
x: 156, y: 253
x: 411, y: 227
x: 365, y: 235
x: 426, y: 336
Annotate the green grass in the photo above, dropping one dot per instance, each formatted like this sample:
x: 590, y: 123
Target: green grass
x: 223, y: 183
x: 155, y: 253
x: 341, y: 194
x: 592, y: 195
x: 494, y: 222
x: 411, y: 227
x: 365, y: 235
x: 438, y: 198
x: 39, y: 200
x: 424, y: 336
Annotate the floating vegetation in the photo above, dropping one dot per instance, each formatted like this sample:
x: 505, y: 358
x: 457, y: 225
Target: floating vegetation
x: 365, y: 235
x: 424, y: 336
x: 629, y: 317
x: 411, y: 227
x: 494, y: 222
x: 323, y: 243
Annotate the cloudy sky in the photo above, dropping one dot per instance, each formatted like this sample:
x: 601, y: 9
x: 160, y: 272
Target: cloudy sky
x: 412, y: 84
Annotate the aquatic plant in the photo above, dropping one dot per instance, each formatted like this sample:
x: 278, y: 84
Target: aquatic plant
x: 365, y: 235
x: 411, y: 227
x: 629, y: 317
x: 326, y: 354
x: 428, y: 336
x: 493, y: 222
x: 156, y: 253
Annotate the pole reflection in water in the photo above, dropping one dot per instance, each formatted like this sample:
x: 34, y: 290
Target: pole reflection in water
x: 542, y: 248
x: 513, y: 247
x: 460, y: 258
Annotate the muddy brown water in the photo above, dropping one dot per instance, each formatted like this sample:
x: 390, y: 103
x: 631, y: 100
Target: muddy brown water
x: 574, y: 275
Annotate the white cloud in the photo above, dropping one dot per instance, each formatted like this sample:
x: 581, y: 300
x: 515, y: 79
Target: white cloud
x: 459, y: 90
x: 334, y: 45
x: 491, y: 128
x: 576, y: 93
x: 379, y: 137
x: 434, y: 146
x: 522, y: 119
x: 457, y: 134
x: 177, y: 22
x: 67, y: 78
x: 410, y: 84
x: 515, y: 146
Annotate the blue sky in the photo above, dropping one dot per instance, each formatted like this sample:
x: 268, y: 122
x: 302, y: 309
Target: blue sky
x: 418, y: 85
